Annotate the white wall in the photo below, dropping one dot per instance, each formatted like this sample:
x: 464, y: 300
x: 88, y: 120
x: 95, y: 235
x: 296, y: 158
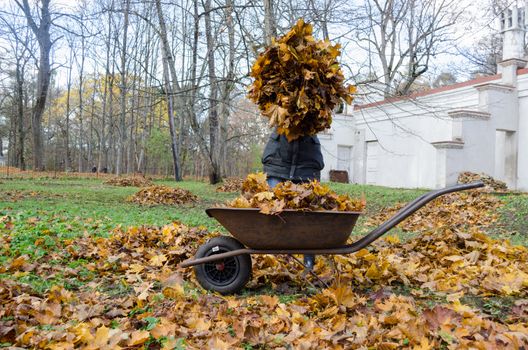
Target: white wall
x: 341, y: 133
x: 408, y: 133
x: 405, y: 131
x: 522, y: 137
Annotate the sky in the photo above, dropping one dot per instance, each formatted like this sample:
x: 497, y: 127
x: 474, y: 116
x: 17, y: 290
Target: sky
x: 471, y: 26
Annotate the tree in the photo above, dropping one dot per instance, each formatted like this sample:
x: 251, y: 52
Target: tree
x: 404, y: 35
x: 170, y: 80
x: 444, y: 79
x: 40, y: 25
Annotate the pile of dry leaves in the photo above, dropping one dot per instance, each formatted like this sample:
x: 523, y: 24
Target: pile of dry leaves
x: 468, y: 208
x: 17, y: 195
x: 231, y: 184
x: 310, y: 196
x: 446, y: 261
x: 133, y: 294
x: 154, y: 195
x: 298, y: 83
x: 139, y: 298
x: 491, y: 183
x: 129, y: 181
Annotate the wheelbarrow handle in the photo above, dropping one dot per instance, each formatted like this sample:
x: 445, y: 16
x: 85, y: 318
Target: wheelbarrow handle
x: 408, y: 210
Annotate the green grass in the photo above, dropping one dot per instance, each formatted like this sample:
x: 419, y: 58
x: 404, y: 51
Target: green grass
x: 38, y: 215
x: 90, y: 199
x: 64, y: 208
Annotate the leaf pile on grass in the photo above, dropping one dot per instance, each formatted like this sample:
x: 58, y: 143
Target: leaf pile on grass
x: 18, y: 195
x: 444, y: 261
x: 154, y: 195
x: 10, y: 170
x: 231, y: 184
x: 30, y: 174
x: 491, y: 183
x: 310, y: 196
x: 129, y: 181
x: 137, y: 298
x: 471, y: 208
x: 134, y: 296
x: 298, y: 83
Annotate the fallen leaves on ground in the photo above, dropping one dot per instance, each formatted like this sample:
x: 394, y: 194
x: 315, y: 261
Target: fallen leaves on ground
x: 471, y: 208
x: 154, y: 195
x: 452, y: 254
x: 308, y: 196
x: 298, y: 83
x: 139, y: 299
x: 133, y: 295
x: 447, y: 261
x: 129, y: 181
x: 30, y: 174
x: 231, y: 184
x: 491, y: 183
x: 18, y: 195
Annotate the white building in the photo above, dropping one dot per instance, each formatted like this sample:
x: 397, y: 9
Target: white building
x: 427, y: 139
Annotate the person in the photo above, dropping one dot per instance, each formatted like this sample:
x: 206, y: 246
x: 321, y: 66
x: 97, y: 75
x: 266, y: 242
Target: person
x: 298, y: 161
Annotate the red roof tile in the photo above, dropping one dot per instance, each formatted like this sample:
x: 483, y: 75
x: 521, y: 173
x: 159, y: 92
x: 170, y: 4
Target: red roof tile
x: 476, y: 81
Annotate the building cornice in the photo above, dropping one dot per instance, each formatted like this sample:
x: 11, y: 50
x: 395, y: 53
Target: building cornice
x: 468, y: 114
x: 495, y: 87
x: 448, y: 144
x: 518, y: 62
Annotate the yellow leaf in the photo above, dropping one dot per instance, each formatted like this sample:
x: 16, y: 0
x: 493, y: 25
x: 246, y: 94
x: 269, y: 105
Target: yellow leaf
x: 373, y: 272
x: 158, y: 260
x: 138, y: 337
x: 136, y: 268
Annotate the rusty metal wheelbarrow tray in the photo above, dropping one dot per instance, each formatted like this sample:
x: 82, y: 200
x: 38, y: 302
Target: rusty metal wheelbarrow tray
x: 320, y: 233
x: 290, y: 229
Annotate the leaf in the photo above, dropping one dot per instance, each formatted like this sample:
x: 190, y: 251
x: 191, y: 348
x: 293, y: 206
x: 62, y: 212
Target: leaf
x: 158, y: 260
x: 287, y: 195
x: 298, y: 82
x: 138, y: 337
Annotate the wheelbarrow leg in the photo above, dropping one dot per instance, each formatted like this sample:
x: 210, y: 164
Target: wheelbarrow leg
x: 309, y: 261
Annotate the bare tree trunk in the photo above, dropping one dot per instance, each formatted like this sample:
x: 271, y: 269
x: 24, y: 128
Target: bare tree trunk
x: 102, y: 162
x: 169, y: 93
x: 67, y: 158
x: 42, y: 32
x: 214, y: 171
x: 81, y: 102
x: 270, y: 30
x: 146, y: 99
x: 92, y: 116
x: 228, y: 86
x: 20, y: 160
x: 123, y: 92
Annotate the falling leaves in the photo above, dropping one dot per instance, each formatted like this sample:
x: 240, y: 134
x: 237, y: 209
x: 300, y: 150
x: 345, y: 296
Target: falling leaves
x: 298, y: 83
x: 310, y: 196
x: 129, y: 181
x: 153, y: 195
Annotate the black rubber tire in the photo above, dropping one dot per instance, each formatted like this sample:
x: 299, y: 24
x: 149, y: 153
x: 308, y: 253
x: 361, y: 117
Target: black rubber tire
x: 227, y: 276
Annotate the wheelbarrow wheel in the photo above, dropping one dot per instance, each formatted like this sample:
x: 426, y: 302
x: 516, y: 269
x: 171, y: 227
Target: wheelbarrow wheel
x: 225, y: 276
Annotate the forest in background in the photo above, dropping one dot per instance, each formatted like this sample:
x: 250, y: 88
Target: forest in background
x: 156, y: 87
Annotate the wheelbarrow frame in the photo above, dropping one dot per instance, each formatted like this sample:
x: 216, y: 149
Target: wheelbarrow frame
x: 361, y: 243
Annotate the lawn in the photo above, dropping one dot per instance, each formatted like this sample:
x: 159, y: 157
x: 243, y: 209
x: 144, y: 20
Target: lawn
x: 88, y: 200
x: 77, y: 235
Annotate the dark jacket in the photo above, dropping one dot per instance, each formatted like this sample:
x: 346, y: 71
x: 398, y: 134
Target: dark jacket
x: 299, y: 160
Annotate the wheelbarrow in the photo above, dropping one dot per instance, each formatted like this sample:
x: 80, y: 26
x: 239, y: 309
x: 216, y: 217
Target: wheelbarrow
x: 223, y: 264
